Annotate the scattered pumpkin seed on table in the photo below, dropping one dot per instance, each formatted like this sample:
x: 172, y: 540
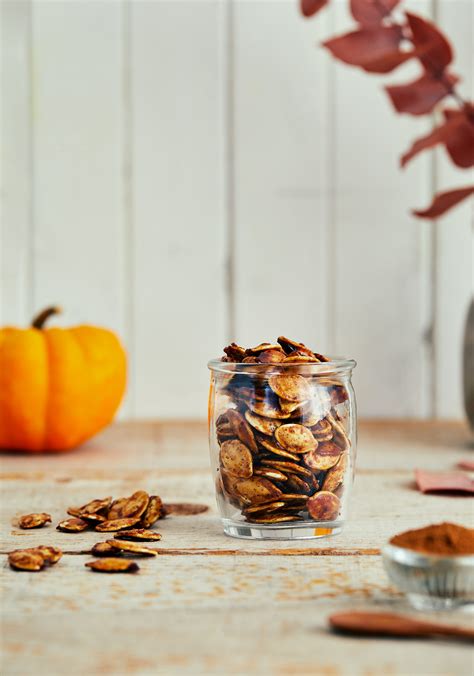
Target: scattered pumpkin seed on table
x: 131, y: 547
x: 26, y: 560
x: 73, y: 525
x: 103, y: 549
x: 139, y: 534
x: 113, y: 565
x: 34, y: 558
x: 117, y: 524
x: 38, y: 520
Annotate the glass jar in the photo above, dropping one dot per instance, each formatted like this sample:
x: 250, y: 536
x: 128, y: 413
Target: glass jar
x: 283, y: 445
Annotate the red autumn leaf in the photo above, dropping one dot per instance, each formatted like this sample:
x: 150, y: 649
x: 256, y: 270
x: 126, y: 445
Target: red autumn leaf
x: 373, y: 49
x: 457, y: 134
x: 438, y: 135
x: 389, y: 61
x: 444, y: 201
x: 310, y: 7
x: 420, y: 96
x: 437, y: 52
x: 460, y: 141
x: 371, y: 12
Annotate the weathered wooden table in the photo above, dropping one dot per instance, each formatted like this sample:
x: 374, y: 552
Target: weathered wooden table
x: 211, y: 604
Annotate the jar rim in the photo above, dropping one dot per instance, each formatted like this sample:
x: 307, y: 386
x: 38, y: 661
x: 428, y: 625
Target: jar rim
x: 334, y: 365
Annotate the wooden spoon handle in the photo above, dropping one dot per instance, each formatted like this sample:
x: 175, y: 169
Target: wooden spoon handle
x: 390, y: 624
x: 448, y: 630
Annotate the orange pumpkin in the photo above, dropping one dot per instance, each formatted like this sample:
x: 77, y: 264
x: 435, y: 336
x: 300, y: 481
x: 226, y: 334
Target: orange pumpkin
x: 58, y: 387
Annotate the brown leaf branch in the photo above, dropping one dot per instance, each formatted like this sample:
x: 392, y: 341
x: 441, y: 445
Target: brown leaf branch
x: 380, y: 44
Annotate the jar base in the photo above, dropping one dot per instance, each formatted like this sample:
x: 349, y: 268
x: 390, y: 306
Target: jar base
x: 283, y: 531
x: 427, y: 603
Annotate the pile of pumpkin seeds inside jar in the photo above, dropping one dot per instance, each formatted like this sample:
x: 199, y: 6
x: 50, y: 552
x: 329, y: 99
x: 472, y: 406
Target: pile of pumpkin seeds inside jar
x: 283, y: 446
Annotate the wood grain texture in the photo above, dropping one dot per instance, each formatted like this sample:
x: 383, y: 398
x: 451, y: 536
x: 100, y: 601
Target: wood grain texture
x: 209, y: 604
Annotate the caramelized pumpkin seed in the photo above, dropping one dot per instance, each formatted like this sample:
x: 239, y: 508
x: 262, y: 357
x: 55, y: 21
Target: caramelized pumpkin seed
x: 298, y: 485
x: 229, y: 483
x: 293, y: 407
x: 117, y: 524
x: 323, y: 430
x: 324, y: 457
x: 103, y: 549
x: 264, y: 425
x: 93, y: 507
x: 242, y: 429
x: 140, y: 535
x: 263, y: 347
x: 271, y: 356
x: 26, y: 560
x: 288, y: 467
x: 263, y: 507
x: 236, y: 458
x: 34, y: 520
x: 115, y: 511
x: 155, y: 510
x: 273, y: 447
x: 324, y: 506
x: 131, y: 547
x: 136, y: 505
x: 290, y: 346
x: 275, y: 518
x: 271, y: 473
x: 335, y: 475
x: 268, y: 409
x: 296, y: 438
x: 291, y: 387
x: 72, y: 525
x: 49, y: 553
x: 257, y: 489
x: 113, y: 565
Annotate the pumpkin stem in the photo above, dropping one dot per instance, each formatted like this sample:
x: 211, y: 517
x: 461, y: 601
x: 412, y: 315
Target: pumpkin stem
x: 43, y: 316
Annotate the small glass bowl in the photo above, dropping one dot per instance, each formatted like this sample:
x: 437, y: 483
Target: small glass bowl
x: 430, y: 582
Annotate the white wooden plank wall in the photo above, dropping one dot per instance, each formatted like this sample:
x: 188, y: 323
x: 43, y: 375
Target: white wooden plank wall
x: 382, y: 308
x: 454, y: 235
x: 193, y: 172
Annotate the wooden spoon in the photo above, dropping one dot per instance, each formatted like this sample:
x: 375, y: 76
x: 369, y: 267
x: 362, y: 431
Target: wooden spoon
x: 390, y: 624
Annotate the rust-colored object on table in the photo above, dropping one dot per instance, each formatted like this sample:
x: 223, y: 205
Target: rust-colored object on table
x: 184, y: 508
x: 451, y: 482
x: 443, y: 539
x: 390, y: 624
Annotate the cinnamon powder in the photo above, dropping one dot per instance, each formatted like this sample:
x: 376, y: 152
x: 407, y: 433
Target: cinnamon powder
x: 445, y: 539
